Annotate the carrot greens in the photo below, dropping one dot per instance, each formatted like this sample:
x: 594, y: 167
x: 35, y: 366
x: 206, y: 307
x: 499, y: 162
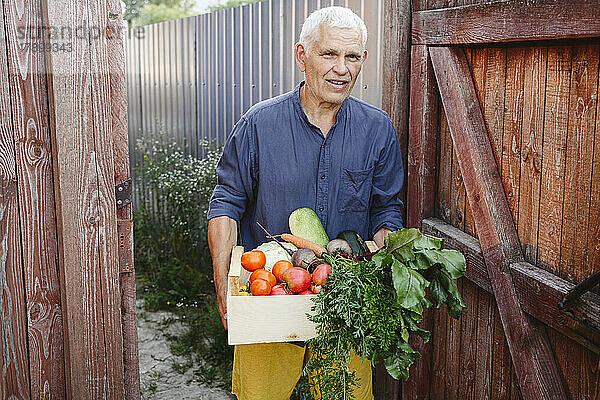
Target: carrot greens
x: 371, y: 307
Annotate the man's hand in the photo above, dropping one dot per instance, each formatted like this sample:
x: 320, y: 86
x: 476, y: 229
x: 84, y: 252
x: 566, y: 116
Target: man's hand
x: 379, y: 237
x: 222, y: 236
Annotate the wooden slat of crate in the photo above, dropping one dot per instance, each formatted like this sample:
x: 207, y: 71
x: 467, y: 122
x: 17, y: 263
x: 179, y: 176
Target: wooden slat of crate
x: 36, y: 201
x: 14, y: 368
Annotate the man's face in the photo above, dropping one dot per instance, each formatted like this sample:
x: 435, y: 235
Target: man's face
x: 332, y: 64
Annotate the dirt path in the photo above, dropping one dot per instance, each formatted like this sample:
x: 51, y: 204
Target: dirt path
x: 159, y: 381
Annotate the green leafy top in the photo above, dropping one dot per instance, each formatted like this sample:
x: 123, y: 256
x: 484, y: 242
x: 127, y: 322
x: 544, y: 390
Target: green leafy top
x: 371, y: 307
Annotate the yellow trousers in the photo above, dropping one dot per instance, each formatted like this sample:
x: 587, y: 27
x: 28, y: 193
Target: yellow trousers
x: 270, y: 371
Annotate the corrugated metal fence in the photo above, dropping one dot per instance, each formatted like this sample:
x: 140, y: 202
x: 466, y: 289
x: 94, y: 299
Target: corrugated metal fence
x: 193, y: 78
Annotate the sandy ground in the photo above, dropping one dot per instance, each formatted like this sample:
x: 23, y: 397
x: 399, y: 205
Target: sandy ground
x: 159, y: 381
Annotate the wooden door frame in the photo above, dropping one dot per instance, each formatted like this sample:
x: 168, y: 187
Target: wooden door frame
x: 522, y: 290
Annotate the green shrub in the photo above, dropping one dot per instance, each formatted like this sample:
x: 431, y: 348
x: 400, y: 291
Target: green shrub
x: 170, y: 232
x: 172, y: 258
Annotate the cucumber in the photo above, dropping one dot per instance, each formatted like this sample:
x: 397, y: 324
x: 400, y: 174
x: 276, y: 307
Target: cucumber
x: 304, y: 223
x: 359, y: 247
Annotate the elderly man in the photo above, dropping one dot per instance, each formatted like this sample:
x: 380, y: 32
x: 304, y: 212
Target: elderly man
x: 314, y: 147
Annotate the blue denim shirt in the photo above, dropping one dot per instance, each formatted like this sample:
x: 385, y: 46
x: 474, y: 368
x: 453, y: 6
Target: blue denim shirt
x: 276, y: 161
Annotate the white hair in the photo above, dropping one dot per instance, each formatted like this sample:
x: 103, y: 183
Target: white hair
x: 334, y: 17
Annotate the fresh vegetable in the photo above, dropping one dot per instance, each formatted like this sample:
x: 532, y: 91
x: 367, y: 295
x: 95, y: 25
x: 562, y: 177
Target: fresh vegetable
x: 243, y: 288
x: 320, y: 274
x: 307, y: 291
x: 359, y: 247
x: 297, y: 279
x: 274, y: 252
x: 339, y: 246
x: 303, y: 257
x: 264, y: 275
x: 253, y: 260
x: 280, y: 289
x: 372, y: 307
x: 300, y: 242
x: 280, y: 267
x: 315, y: 288
x: 305, y: 224
x: 260, y: 287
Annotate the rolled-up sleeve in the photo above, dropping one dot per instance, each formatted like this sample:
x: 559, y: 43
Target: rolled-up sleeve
x: 235, y: 183
x: 388, y: 178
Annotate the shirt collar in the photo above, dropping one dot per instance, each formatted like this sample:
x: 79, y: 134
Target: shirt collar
x: 340, y: 114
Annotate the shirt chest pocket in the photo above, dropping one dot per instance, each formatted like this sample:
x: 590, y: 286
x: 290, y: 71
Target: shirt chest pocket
x: 355, y: 190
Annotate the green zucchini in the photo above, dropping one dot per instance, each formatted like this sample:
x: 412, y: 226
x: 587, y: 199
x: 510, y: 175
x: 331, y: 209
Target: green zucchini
x: 305, y: 223
x: 359, y: 247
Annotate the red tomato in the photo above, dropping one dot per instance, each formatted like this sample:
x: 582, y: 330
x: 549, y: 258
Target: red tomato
x: 264, y: 275
x: 298, y: 279
x: 307, y: 291
x: 253, y: 260
x: 260, y: 288
x: 280, y: 289
x: 320, y: 274
x: 279, y: 269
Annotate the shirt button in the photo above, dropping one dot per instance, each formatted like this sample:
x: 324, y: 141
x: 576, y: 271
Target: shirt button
x: 321, y: 208
x: 323, y: 176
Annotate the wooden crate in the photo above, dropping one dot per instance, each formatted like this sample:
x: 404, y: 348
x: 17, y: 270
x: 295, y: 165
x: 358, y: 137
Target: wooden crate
x: 265, y: 319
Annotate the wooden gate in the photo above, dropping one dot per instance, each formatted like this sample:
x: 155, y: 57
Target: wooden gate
x: 504, y: 162
x: 67, y: 292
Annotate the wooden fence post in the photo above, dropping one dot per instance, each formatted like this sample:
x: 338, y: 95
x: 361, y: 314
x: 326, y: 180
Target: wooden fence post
x: 82, y: 145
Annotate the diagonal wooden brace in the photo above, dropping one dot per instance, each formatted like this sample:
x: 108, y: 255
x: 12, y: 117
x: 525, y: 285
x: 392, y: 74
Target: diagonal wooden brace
x: 532, y: 357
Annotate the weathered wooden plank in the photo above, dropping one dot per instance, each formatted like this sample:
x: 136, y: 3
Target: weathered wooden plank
x: 578, y: 163
x: 539, y: 290
x: 500, y: 382
x: 468, y: 342
x: 489, y: 86
x: 444, y: 163
x: 593, y: 245
x: 396, y: 69
x: 438, y: 353
x: 590, y: 376
x: 124, y: 216
x: 553, y: 159
x: 534, y: 363
x: 79, y: 95
x: 36, y: 200
x: 453, y: 355
x: 507, y: 21
x: 421, y: 188
x: 531, y: 149
x: 14, y: 366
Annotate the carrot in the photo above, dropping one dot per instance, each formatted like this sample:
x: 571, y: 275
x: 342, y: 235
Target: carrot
x: 300, y: 242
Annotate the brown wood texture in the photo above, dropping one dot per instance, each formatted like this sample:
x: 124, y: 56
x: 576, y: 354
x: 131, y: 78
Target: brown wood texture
x: 583, y: 95
x: 534, y: 362
x: 421, y: 189
x: 79, y: 96
x: 539, y: 290
x: 488, y: 70
x: 507, y: 21
x: 395, y: 101
x: 396, y: 70
x: 14, y: 362
x: 553, y: 159
x: 532, y: 131
x: 36, y: 200
x: 118, y: 118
